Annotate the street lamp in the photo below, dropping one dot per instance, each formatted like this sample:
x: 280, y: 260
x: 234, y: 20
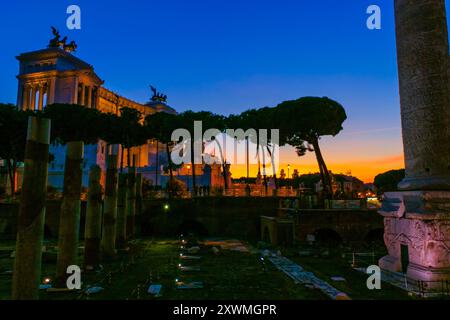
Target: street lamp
x: 189, y: 174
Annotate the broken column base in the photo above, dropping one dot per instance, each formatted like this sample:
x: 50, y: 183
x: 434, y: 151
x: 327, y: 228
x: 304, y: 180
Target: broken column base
x: 417, y: 235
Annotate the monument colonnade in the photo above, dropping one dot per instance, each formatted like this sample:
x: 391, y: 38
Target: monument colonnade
x: 36, y: 95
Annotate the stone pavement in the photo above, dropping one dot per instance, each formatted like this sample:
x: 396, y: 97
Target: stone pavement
x: 301, y: 276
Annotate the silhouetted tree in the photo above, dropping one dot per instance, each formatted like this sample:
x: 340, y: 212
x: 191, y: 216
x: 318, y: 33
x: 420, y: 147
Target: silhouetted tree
x: 13, y: 135
x: 132, y: 131
x: 160, y: 126
x: 388, y: 181
x: 209, y: 120
x: 304, y: 121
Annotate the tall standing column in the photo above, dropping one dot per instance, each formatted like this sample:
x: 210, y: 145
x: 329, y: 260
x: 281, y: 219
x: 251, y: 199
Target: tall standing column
x: 423, y: 55
x: 33, y: 99
x: 121, y: 235
x: 110, y: 210
x: 30, y: 228
x: 89, y: 99
x: 26, y: 97
x: 69, y: 221
x: 82, y: 95
x: 417, y: 218
x: 41, y: 97
x: 51, y: 85
x: 20, y: 95
x: 131, y: 200
x: 93, y: 225
x: 138, y: 204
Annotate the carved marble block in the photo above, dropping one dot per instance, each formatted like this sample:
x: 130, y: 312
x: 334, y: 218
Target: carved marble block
x: 417, y: 224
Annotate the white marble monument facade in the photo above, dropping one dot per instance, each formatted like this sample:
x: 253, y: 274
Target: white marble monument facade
x: 54, y: 75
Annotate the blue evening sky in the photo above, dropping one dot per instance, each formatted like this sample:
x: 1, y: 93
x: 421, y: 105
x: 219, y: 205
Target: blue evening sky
x: 226, y: 55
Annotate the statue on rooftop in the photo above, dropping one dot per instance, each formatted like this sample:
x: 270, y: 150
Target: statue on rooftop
x: 57, y: 42
x: 157, y: 96
x: 70, y: 47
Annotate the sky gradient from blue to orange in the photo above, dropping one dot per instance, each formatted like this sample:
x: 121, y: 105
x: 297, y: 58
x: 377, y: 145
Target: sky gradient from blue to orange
x: 227, y: 56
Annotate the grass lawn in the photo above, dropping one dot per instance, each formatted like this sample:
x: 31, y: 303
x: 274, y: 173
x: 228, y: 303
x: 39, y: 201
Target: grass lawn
x: 226, y: 275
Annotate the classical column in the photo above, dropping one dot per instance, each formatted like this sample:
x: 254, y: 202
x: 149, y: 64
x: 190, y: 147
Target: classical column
x: 121, y: 234
x: 83, y: 88
x: 110, y: 209
x: 417, y: 218
x: 26, y: 97
x: 94, y: 97
x: 51, y: 84
x: 69, y: 220
x: 41, y: 96
x: 31, y: 216
x: 33, y: 98
x: 423, y: 54
x: 131, y: 199
x: 93, y: 222
x: 20, y: 95
x: 89, y: 99
x: 138, y: 204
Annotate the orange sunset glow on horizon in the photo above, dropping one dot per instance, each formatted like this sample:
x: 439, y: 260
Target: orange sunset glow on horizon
x: 363, y: 154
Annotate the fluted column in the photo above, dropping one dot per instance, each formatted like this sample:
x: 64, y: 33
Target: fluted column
x: 416, y: 218
x: 89, y: 99
x: 20, y: 95
x: 41, y: 97
x: 83, y: 88
x: 26, y: 97
x: 31, y: 215
x: 110, y: 209
x: 423, y: 55
x: 33, y: 98
x: 51, y: 84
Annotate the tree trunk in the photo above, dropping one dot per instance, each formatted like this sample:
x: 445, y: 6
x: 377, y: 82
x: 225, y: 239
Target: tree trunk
x: 225, y: 177
x: 222, y: 159
x: 110, y: 210
x: 157, y: 163
x: 274, y: 170
x: 31, y: 219
x: 69, y: 223
x: 170, y: 185
x: 11, y: 177
x: 259, y: 159
x: 121, y: 236
x: 322, y: 174
x: 138, y: 203
x: 247, y: 158
x: 14, y: 176
x: 93, y: 224
x: 170, y: 162
x: 324, y: 170
x: 128, y: 158
x: 264, y: 170
x: 122, y: 148
x: 131, y: 200
x: 194, y: 183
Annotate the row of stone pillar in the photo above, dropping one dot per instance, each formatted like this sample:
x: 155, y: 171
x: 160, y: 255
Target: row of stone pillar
x: 122, y: 202
x: 90, y: 100
x: 99, y: 233
x: 29, y: 96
